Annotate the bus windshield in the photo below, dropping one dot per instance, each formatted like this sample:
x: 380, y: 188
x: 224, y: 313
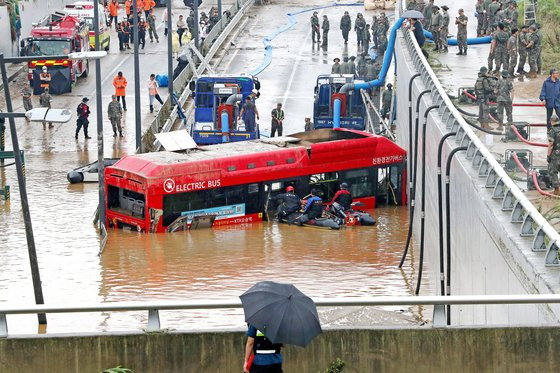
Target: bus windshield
x: 48, y: 47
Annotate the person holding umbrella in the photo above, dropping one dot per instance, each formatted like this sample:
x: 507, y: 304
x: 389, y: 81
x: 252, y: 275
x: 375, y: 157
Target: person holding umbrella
x: 261, y: 355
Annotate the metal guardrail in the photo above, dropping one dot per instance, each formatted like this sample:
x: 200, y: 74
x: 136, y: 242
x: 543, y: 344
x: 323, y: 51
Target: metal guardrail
x: 153, y: 308
x: 372, y: 120
x: 523, y: 212
x: 164, y: 120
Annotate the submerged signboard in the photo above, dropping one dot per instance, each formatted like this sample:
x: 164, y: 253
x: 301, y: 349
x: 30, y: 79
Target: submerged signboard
x: 222, y: 212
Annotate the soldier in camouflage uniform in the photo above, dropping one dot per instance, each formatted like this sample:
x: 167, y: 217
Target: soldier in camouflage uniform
x: 461, y: 23
x: 512, y: 15
x: 315, y: 28
x: 493, y: 9
x: 522, y: 48
x: 512, y: 50
x: 26, y: 94
x: 114, y: 112
x: 371, y: 73
x: 444, y: 28
x: 344, y: 66
x: 553, y: 154
x: 352, y: 66
x: 498, y: 48
x: 485, y: 27
x: 479, y: 18
x: 539, y: 47
x: 532, y: 51
x: 505, y: 100
x: 386, y: 98
x: 435, y: 26
x: 336, y: 66
x: 152, y: 27
x: 325, y: 27
x: 374, y: 32
x: 45, y: 100
x: 345, y: 26
x: 382, y: 44
x: 482, y: 88
x: 360, y: 28
x: 428, y: 10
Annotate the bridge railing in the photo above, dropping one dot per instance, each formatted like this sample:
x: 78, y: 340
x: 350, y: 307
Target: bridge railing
x: 523, y: 212
x: 166, y: 117
x: 153, y: 308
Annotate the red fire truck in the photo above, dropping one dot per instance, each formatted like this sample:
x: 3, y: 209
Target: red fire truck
x: 55, y: 35
x: 152, y: 192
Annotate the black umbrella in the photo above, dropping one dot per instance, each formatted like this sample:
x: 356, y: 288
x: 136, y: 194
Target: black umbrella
x: 412, y: 14
x: 281, y: 312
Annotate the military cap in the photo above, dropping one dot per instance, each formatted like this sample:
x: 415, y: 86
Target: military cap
x: 533, y: 27
x: 85, y: 99
x: 336, y: 59
x: 315, y: 13
x: 352, y: 58
x: 505, y: 73
x: 537, y: 25
x: 389, y: 85
x: 435, y: 7
x: 345, y: 59
x: 445, y: 7
x: 484, y: 69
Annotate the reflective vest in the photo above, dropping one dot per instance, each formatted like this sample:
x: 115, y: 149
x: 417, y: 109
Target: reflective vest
x: 45, y: 79
x: 264, y: 346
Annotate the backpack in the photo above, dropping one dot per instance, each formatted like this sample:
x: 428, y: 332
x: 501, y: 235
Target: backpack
x: 479, y: 87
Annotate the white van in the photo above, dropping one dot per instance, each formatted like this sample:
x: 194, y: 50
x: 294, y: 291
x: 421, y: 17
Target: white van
x: 84, y: 10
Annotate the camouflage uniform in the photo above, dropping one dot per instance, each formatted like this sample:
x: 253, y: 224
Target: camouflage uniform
x: 428, y: 10
x: 522, y: 49
x: 533, y: 52
x: 479, y: 18
x: 435, y: 26
x: 114, y: 112
x: 462, y: 33
x: 360, y: 28
x: 315, y: 27
x: 45, y: 100
x: 444, y: 30
x: 512, y: 53
x: 352, y: 66
x: 382, y: 44
x: 486, y: 26
x: 501, y: 57
x: 374, y: 26
x: 505, y: 87
x: 482, y: 88
x: 325, y: 27
x: 345, y: 26
x: 539, y: 50
x: 26, y: 94
x: 554, y: 158
x: 335, y: 68
x: 493, y: 9
x: 152, y: 27
x: 386, y: 102
x: 361, y: 66
x: 371, y: 73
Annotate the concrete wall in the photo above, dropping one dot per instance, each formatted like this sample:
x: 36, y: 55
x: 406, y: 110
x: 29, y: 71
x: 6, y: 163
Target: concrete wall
x: 488, y: 255
x: 392, y: 350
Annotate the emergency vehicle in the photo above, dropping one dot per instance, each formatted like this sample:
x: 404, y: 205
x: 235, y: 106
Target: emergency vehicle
x: 84, y: 10
x: 55, y: 35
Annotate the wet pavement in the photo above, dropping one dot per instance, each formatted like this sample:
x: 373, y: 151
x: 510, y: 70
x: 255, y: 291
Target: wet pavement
x: 461, y: 71
x: 207, y: 264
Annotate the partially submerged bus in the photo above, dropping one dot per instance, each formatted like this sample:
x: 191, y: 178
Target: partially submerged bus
x: 151, y: 192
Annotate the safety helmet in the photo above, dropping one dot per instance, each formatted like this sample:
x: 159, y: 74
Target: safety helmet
x: 343, y: 186
x: 308, y: 116
x: 44, y: 68
x: 484, y: 69
x: 290, y: 189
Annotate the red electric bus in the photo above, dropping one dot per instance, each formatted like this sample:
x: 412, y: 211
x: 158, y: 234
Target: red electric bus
x: 151, y: 192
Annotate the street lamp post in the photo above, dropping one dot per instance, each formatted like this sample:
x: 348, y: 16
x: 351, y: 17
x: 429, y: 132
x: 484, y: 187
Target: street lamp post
x: 99, y: 109
x: 35, y: 275
x: 137, y: 113
x: 195, y: 31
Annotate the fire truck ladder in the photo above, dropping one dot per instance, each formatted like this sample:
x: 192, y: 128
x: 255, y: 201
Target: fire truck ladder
x: 530, y: 12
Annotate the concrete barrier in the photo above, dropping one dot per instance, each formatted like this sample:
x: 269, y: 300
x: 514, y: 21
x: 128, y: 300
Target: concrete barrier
x: 373, y: 350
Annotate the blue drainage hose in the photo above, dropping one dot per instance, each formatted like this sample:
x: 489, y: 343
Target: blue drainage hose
x: 470, y: 41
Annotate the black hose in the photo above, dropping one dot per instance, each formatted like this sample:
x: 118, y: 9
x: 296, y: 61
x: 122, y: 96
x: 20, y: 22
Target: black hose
x: 6, y: 165
x: 413, y: 187
x: 482, y: 129
x: 423, y: 208
x: 440, y: 211
x: 465, y: 112
x: 448, y: 224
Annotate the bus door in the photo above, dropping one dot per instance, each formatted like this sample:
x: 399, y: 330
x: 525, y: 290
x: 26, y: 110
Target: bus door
x: 326, y: 184
x: 390, y: 185
x: 272, y: 189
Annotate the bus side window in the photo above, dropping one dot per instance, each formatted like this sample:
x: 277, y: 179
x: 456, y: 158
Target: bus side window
x: 362, y: 182
x: 253, y: 202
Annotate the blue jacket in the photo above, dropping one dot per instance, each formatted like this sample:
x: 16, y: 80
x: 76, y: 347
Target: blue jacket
x: 551, y: 93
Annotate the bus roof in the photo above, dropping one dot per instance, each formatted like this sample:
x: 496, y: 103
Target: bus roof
x: 319, y: 145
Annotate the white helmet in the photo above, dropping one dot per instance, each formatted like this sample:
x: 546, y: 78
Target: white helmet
x: 308, y: 116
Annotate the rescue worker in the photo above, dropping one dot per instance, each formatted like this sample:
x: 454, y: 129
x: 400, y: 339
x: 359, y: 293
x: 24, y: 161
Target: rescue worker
x: 142, y: 33
x: 308, y: 124
x: 444, y: 29
x: 485, y: 26
x: 539, y: 47
x: 382, y: 24
x: 367, y: 38
x: 428, y: 11
x: 492, y: 10
x: 315, y: 28
x: 313, y: 209
x: 83, y: 114
x: 344, y: 67
x: 505, y: 100
x: 153, y: 92
x: 533, y: 51
x: 267, y: 356
x: 361, y: 67
x: 45, y: 100
x: 336, y: 66
x: 371, y: 72
x: 461, y: 23
x: 325, y: 27
x: 114, y: 112
x: 26, y: 94
x: 290, y: 203
x: 345, y: 26
x: 553, y: 154
x: 44, y: 78
x: 113, y: 12
x: 148, y: 6
x: 498, y: 49
x: 248, y: 113
x: 342, y: 198
x: 374, y: 32
x: 435, y: 26
x: 482, y: 88
x: 352, y: 66
x: 277, y: 119
x: 386, y: 98
x: 120, y: 83
x: 512, y: 51
x: 152, y: 27
x: 381, y: 44
x: 128, y: 8
x: 522, y: 48
x: 479, y: 18
x: 360, y: 28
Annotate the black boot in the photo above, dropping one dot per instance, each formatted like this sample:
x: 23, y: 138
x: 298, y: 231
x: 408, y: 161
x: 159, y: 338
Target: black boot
x: 460, y: 53
x: 465, y: 52
x: 151, y: 108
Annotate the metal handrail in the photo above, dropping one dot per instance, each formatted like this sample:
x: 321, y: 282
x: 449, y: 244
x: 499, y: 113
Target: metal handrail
x: 431, y: 81
x: 381, y: 120
x: 153, y: 308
